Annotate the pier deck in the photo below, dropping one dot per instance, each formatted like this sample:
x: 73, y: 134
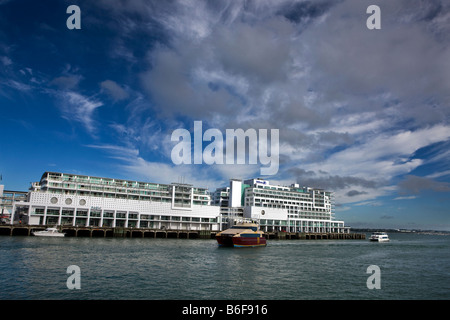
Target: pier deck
x: 315, y: 236
x: 121, y: 232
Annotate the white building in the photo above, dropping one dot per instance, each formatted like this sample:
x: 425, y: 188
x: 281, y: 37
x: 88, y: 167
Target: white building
x: 290, y: 209
x: 7, y: 200
x: 220, y: 197
x: 78, y: 200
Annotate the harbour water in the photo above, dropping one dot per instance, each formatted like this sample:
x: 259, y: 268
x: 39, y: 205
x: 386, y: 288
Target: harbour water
x: 412, y: 266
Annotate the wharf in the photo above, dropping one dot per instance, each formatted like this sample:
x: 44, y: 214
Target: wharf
x: 315, y: 236
x: 121, y: 232
x: 117, y: 232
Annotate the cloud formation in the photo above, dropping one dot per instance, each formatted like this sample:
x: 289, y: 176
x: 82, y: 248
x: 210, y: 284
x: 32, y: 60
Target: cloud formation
x: 78, y: 108
x: 353, y: 106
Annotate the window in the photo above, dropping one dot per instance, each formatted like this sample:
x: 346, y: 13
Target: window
x: 82, y: 213
x: 67, y: 212
x: 53, y: 212
x: 133, y: 216
x: 108, y: 214
x: 121, y: 215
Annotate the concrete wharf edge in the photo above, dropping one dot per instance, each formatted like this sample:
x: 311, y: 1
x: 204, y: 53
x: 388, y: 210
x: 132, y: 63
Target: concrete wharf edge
x: 121, y: 232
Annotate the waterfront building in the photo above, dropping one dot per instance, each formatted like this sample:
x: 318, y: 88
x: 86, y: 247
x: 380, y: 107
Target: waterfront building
x: 88, y: 201
x: 79, y: 200
x: 7, y: 200
x: 220, y: 197
x: 280, y: 208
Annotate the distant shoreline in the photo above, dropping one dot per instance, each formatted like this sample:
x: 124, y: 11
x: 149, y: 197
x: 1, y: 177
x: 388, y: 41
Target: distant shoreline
x: 415, y: 231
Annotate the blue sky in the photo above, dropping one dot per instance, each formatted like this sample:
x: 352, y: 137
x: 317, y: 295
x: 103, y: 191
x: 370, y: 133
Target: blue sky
x: 364, y: 113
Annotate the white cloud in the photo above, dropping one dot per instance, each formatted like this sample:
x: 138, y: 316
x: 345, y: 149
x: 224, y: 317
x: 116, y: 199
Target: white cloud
x: 359, y: 123
x: 167, y: 173
x: 385, y: 155
x: 117, y: 151
x: 406, y: 198
x: 19, y: 86
x: 365, y: 171
x: 439, y: 174
x: 76, y: 107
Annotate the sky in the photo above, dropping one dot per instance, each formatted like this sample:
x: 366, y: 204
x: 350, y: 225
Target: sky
x: 360, y: 112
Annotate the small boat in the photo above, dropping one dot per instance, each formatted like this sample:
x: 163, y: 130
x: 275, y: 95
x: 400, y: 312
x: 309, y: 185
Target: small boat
x: 243, y: 234
x: 379, y: 237
x: 49, y: 232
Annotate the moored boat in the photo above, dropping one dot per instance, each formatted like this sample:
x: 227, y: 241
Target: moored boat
x: 242, y: 235
x: 49, y: 232
x: 379, y: 237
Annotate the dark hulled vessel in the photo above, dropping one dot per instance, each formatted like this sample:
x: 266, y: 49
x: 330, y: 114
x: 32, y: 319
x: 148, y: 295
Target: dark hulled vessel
x: 242, y: 235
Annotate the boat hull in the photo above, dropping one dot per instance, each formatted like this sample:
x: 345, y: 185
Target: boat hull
x: 225, y: 241
x: 241, y: 235
x: 241, y: 242
x: 48, y: 235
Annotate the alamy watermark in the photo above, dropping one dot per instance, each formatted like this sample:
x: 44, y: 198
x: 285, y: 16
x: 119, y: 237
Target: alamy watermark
x: 234, y: 144
x: 373, y: 22
x: 74, y: 280
x: 74, y: 20
x: 374, y: 280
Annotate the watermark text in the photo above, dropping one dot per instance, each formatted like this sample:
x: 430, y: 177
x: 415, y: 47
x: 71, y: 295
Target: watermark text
x: 374, y: 281
x: 74, y: 280
x: 237, y: 150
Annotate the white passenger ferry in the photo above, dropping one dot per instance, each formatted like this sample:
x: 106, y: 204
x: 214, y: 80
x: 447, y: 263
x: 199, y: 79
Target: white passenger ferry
x: 379, y: 237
